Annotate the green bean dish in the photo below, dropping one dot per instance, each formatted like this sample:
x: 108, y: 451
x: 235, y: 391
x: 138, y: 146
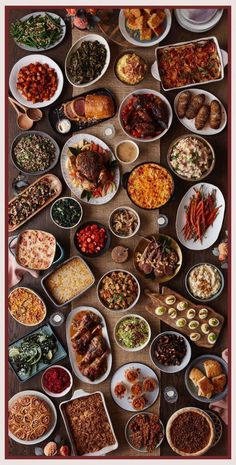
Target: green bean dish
x: 41, y: 31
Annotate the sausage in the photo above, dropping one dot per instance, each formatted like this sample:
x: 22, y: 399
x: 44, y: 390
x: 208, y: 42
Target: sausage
x: 215, y: 114
x: 182, y: 103
x: 196, y: 103
x: 202, y: 117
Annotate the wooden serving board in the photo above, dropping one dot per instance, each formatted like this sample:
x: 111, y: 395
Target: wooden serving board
x: 158, y: 299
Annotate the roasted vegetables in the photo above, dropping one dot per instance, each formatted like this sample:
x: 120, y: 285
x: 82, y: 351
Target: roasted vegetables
x: 41, y: 31
x: 87, y: 63
x: 194, y: 106
x: 200, y: 214
x: 37, y: 82
x: 182, y: 103
x: 215, y: 114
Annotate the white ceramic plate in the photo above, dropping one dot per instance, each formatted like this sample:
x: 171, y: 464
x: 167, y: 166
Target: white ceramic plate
x: 145, y: 372
x: 42, y: 49
x: 81, y: 393
x: 170, y: 368
x: 72, y: 353
x: 144, y: 43
x: 190, y: 123
x: 213, y: 231
x: 77, y: 44
x: 53, y: 411
x: 78, y: 190
x: 146, y: 91
x: 25, y: 61
x: 194, y: 26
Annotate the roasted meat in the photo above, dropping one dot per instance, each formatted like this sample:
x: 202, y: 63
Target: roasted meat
x: 96, y: 368
x: 158, y: 258
x: 92, y: 168
x: 81, y: 344
x: 88, y: 321
x: 96, y: 348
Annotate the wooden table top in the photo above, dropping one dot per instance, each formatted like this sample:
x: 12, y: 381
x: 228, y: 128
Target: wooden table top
x: 42, y: 221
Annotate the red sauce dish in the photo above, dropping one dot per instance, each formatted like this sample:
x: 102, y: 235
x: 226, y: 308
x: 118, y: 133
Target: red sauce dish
x: 57, y: 381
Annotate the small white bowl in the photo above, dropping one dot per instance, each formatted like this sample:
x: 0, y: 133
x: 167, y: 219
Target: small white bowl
x: 76, y: 45
x: 60, y: 394
x: 66, y: 227
x: 124, y: 208
x: 130, y: 142
x: 123, y: 309
x: 171, y: 368
x: 135, y: 349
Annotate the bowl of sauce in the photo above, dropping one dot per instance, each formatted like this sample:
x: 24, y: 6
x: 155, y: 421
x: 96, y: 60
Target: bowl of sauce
x: 127, y: 151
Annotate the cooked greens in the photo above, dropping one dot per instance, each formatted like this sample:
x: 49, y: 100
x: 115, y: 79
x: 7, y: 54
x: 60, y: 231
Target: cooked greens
x: 87, y: 63
x: 37, y: 348
x: 41, y: 31
x: 66, y: 212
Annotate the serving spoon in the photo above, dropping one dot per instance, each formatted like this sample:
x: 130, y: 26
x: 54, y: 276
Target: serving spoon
x: 23, y: 121
x: 35, y: 114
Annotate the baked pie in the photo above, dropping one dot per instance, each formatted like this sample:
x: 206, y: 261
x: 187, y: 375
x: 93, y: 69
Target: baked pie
x: 190, y: 432
x: 29, y: 418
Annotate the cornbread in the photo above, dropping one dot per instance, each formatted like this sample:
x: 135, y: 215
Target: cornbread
x: 69, y: 280
x: 150, y: 186
x: 26, y: 307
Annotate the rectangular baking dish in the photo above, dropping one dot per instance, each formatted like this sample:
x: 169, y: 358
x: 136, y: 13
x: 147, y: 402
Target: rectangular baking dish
x: 223, y: 56
x: 81, y: 393
x: 55, y: 269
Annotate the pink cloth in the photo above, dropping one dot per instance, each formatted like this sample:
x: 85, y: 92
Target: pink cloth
x: 221, y: 407
x: 15, y: 271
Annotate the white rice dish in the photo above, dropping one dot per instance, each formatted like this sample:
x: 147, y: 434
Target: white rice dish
x: 191, y: 158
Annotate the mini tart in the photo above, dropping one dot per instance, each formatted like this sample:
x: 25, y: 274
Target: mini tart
x: 183, y: 305
x: 170, y: 300
x: 191, y: 313
x: 196, y: 419
x: 172, y: 312
x: 159, y: 311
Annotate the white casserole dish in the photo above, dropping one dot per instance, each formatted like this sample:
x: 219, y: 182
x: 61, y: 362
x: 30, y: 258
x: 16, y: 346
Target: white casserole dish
x: 223, y: 57
x: 81, y: 393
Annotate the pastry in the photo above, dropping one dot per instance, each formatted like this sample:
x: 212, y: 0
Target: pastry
x: 219, y: 382
x: 205, y: 387
x: 195, y: 375
x: 212, y: 368
x: 29, y: 418
x: 190, y: 432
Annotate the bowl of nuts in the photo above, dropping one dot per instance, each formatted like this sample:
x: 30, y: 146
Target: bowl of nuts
x: 170, y: 352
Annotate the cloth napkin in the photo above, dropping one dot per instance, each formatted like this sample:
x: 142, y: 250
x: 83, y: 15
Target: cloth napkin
x: 221, y: 406
x: 15, y: 271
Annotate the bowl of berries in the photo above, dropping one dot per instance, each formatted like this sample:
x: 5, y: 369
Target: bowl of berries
x: 56, y: 381
x: 92, y: 239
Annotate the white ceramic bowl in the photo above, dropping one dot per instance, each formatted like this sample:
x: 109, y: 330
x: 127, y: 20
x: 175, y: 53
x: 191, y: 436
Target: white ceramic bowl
x: 25, y: 61
x: 127, y: 431
x: 146, y: 91
x: 53, y: 394
x: 171, y: 368
x: 135, y: 349
x: 66, y: 227
x: 124, y: 309
x: 214, y: 296
x: 92, y: 38
x: 124, y: 208
x: 53, y: 422
x: 130, y: 142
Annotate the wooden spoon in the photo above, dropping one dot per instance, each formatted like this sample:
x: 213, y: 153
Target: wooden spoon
x: 33, y: 113
x: 23, y: 121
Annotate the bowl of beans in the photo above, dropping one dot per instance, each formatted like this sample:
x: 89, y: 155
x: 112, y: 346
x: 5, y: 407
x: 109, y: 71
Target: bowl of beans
x: 92, y: 239
x: 56, y: 381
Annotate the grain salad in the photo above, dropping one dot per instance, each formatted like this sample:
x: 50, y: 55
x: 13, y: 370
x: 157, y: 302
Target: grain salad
x: 191, y: 157
x: 34, y: 153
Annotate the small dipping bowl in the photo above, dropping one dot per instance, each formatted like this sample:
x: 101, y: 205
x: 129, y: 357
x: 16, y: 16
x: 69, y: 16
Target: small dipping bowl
x: 127, y: 151
x: 64, y: 126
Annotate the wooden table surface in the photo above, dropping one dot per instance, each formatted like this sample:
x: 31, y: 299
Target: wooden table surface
x: 42, y: 221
